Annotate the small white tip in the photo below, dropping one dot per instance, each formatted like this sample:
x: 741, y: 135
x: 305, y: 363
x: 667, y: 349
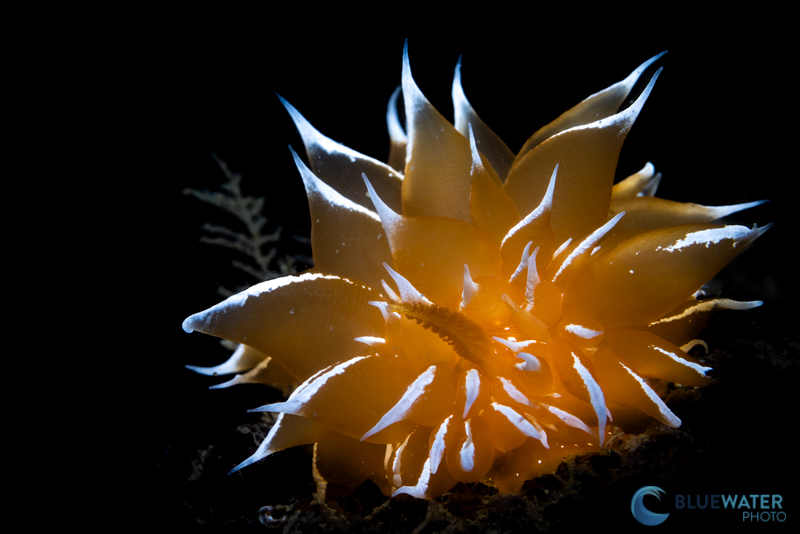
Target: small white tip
x: 187, y: 325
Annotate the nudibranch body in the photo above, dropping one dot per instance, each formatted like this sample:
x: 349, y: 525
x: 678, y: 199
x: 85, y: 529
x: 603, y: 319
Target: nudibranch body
x: 475, y: 314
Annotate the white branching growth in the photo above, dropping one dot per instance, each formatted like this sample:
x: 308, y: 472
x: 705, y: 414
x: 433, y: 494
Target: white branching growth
x: 253, y: 243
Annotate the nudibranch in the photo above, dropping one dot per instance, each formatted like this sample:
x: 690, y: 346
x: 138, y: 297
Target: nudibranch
x: 475, y: 314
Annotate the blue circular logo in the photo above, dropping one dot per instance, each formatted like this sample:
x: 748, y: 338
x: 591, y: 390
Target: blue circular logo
x: 642, y: 514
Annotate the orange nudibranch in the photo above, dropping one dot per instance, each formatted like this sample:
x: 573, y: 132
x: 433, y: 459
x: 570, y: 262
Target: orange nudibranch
x: 475, y: 314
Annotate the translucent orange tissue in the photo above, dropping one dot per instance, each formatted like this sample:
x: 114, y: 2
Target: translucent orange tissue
x: 476, y: 315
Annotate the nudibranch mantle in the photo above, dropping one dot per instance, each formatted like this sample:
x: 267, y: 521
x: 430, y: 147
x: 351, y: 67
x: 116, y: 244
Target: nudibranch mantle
x: 536, y: 306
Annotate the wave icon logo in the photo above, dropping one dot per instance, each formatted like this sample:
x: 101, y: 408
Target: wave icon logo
x: 642, y: 514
